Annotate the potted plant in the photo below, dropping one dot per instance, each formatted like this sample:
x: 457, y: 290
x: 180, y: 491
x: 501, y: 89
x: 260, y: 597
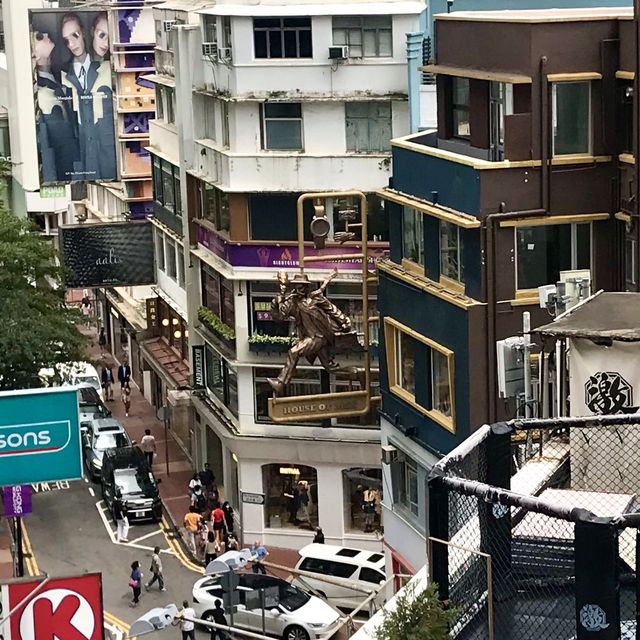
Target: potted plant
x: 263, y: 342
x: 214, y: 324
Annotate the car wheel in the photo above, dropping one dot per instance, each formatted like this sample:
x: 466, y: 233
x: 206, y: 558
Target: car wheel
x: 295, y: 633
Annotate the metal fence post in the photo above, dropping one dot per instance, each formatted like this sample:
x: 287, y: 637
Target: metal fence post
x: 438, y: 524
x: 597, y: 581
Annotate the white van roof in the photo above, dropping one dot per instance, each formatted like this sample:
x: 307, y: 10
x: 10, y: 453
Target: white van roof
x: 373, y: 559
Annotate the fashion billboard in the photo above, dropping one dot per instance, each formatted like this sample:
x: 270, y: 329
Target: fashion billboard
x: 115, y: 254
x: 73, y: 95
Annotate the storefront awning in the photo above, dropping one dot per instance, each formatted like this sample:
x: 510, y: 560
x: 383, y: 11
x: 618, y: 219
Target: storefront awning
x: 476, y: 74
x: 166, y: 362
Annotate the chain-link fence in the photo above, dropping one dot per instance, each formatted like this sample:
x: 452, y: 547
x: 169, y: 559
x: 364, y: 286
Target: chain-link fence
x: 543, y: 545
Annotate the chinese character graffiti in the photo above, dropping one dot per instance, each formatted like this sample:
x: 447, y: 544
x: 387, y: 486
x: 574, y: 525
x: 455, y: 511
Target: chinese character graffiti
x: 607, y: 392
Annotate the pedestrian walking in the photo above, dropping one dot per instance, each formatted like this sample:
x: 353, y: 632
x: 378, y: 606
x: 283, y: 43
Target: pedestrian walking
x: 258, y: 555
x: 217, y: 523
x: 194, y: 482
x: 192, y: 525
x: 207, y: 479
x: 185, y: 620
x: 156, y: 571
x: 122, y: 521
x: 124, y: 374
x: 319, y: 537
x: 219, y: 618
x: 135, y: 580
x: 211, y: 549
x: 232, y: 543
x: 126, y: 399
x: 369, y: 508
x: 107, y: 382
x: 228, y: 516
x: 148, y: 446
x: 85, y: 306
x: 102, y: 341
x: 198, y: 500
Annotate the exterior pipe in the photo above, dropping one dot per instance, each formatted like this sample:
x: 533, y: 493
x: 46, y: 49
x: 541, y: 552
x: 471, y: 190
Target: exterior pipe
x: 545, y: 176
x: 414, y: 53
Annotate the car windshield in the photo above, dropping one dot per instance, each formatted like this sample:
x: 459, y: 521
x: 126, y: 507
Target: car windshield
x: 92, y: 380
x: 134, y: 481
x: 104, y: 441
x: 292, y: 598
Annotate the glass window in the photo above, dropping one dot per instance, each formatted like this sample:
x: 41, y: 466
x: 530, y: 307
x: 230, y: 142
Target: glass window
x: 412, y: 235
x: 224, y: 117
x: 170, y: 257
x: 366, y: 36
x: 209, y: 118
x: 231, y: 389
x: 305, y: 382
x: 159, y: 249
x: 170, y: 103
x: 214, y: 206
x: 214, y: 373
x: 362, y: 490
x: 405, y: 362
x: 571, y: 117
x: 450, y: 251
x: 291, y: 495
x: 371, y: 575
x: 159, y: 105
x: 328, y: 567
x: 440, y: 383
x: 460, y: 108
x: 409, y: 485
x: 168, y: 186
x: 210, y: 280
x: 209, y: 32
x: 368, y: 126
x: 180, y: 269
x: 544, y: 251
x: 282, y: 37
x: 282, y: 126
x: 156, y: 168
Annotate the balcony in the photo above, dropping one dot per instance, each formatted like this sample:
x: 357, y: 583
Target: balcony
x: 163, y: 139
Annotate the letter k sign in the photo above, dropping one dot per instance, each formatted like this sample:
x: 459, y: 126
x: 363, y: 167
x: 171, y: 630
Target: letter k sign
x: 58, y: 614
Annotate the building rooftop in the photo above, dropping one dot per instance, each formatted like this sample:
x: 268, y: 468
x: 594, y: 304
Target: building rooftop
x: 614, y: 316
x: 541, y: 15
x: 316, y: 8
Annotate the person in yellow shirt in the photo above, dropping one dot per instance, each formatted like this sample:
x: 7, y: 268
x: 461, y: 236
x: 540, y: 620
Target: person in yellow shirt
x: 192, y: 524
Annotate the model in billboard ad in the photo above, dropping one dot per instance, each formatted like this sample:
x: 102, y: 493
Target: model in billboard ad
x: 74, y: 96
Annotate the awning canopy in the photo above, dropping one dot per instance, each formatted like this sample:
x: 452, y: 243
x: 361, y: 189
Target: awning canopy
x: 477, y: 74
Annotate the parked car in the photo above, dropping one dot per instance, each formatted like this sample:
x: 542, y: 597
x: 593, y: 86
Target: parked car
x: 125, y: 471
x: 290, y: 613
x: 364, y: 569
x: 90, y: 406
x: 101, y: 435
x: 76, y: 373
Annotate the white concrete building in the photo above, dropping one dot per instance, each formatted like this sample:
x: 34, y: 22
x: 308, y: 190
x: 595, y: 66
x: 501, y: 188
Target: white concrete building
x: 257, y: 104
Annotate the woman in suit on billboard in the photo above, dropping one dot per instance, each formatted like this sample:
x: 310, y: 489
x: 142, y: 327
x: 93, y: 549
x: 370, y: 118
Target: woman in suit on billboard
x: 88, y: 78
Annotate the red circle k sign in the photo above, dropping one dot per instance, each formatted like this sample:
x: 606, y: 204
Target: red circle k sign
x: 63, y: 609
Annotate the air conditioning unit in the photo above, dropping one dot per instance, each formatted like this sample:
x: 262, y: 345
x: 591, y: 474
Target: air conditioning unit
x: 210, y: 49
x: 389, y: 454
x: 167, y: 25
x: 224, y: 54
x: 338, y: 53
x: 510, y: 366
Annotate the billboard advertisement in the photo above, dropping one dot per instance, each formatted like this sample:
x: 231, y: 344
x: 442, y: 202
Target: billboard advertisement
x: 39, y: 436
x: 113, y: 254
x: 73, y: 95
x: 63, y: 608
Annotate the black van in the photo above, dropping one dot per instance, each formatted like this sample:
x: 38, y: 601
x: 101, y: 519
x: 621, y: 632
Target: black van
x: 126, y: 470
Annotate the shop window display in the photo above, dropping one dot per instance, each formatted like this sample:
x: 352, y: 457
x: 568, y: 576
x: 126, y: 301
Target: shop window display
x: 291, y: 496
x: 363, y: 499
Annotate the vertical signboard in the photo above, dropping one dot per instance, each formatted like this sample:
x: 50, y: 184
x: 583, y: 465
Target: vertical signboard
x: 17, y: 500
x: 73, y: 95
x: 198, y: 366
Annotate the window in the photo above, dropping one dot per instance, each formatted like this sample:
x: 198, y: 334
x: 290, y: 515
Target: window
x: 159, y: 237
x: 409, y: 485
x: 209, y: 118
x: 214, y: 206
x: 412, y: 235
x: 366, y: 36
x: 171, y: 104
x: 368, y: 126
x: 209, y: 31
x: 224, y: 116
x: 282, y: 37
x: 421, y: 372
x: 282, y: 126
x: 362, y: 490
x: 217, y: 295
x: 291, y: 495
x: 571, y: 117
x: 159, y: 105
x: 180, y: 269
x: 221, y: 380
x: 305, y: 382
x: 166, y: 190
x: 168, y: 186
x: 371, y: 575
x: 262, y: 321
x: 328, y: 567
x: 630, y: 264
x: 450, y: 251
x: 460, y: 108
x: 170, y: 249
x: 156, y: 170
x: 544, y: 251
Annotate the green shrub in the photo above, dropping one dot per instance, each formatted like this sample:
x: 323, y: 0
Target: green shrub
x: 213, y: 322
x: 261, y: 338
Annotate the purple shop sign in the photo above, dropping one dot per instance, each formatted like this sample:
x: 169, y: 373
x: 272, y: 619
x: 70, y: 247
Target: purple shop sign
x: 17, y: 500
x: 282, y: 256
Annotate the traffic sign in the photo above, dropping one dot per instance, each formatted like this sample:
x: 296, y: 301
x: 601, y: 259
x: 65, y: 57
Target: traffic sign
x: 252, y: 498
x: 39, y: 436
x: 62, y: 609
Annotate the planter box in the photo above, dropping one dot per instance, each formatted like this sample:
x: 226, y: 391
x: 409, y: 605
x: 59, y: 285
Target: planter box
x: 269, y: 347
x: 225, y: 344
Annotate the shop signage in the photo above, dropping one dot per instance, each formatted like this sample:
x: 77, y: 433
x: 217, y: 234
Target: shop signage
x: 53, y: 191
x: 281, y: 256
x: 319, y: 407
x: 17, y: 500
x: 152, y: 312
x: 198, y: 366
x: 252, y: 498
x: 63, y: 608
x: 39, y: 436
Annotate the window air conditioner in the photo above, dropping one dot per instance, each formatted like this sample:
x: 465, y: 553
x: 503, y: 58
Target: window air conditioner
x: 389, y: 454
x: 167, y: 25
x: 224, y: 54
x: 210, y: 49
x: 338, y: 53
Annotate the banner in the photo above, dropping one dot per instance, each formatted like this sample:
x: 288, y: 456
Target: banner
x: 113, y: 254
x: 198, y: 366
x: 73, y: 95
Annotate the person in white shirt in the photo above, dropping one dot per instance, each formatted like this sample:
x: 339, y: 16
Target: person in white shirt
x: 148, y: 446
x: 186, y: 626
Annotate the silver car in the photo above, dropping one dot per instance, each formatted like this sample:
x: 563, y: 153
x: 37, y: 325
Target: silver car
x: 101, y: 435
